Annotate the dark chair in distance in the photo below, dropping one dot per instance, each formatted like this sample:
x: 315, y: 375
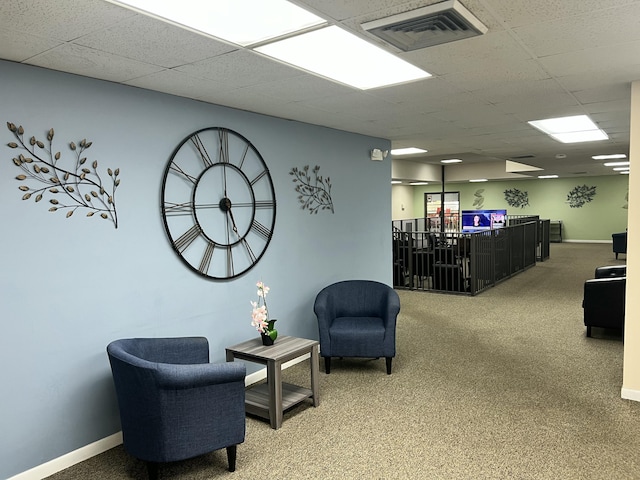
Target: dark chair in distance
x: 619, y: 243
x: 357, y: 318
x: 604, y: 298
x: 173, y: 403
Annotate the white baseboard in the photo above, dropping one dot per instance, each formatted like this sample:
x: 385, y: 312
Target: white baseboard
x: 629, y: 394
x: 96, y: 448
x: 586, y: 241
x: 65, y: 461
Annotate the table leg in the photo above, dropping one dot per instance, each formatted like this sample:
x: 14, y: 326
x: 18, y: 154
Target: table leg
x: 229, y: 356
x: 274, y: 379
x: 315, y: 390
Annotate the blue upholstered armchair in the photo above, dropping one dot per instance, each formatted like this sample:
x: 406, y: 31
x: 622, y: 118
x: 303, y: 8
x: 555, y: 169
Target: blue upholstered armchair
x: 357, y: 318
x: 173, y: 403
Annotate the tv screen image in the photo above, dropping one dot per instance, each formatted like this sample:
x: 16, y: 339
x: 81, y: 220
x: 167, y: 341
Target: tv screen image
x: 498, y: 219
x: 480, y: 220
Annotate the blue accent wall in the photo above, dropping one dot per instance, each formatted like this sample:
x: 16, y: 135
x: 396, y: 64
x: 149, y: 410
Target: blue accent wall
x: 69, y: 286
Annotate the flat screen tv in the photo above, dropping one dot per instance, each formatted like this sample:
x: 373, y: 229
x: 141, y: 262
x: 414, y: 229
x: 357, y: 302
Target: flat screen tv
x: 479, y: 220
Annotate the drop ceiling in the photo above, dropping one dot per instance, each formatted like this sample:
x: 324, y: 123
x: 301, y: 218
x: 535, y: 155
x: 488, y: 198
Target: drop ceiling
x: 538, y: 59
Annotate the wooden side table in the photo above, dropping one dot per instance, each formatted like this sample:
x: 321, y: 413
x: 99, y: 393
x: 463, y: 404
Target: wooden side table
x: 269, y: 400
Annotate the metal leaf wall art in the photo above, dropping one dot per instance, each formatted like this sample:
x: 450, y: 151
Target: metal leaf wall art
x: 478, y: 202
x: 516, y: 198
x: 69, y: 189
x: 581, y: 195
x: 314, y: 195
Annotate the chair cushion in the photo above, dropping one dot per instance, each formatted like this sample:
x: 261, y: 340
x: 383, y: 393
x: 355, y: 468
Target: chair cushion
x: 357, y: 336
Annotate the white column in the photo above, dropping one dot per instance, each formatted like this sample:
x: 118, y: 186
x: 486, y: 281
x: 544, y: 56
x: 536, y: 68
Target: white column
x: 631, y: 366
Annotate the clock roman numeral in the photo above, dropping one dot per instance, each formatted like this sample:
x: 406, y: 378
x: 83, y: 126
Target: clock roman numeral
x: 187, y: 238
x: 176, y: 168
x: 204, y: 155
x: 172, y: 209
x: 255, y: 180
x: 249, y: 251
x: 230, y: 270
x: 264, y: 203
x: 244, y: 156
x: 223, y: 137
x: 261, y: 230
x: 206, y: 258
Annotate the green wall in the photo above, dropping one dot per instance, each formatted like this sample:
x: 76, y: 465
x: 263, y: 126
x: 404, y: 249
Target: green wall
x: 596, y: 220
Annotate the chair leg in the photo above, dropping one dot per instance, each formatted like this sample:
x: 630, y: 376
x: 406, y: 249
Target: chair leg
x: 327, y: 365
x: 588, y: 330
x: 388, y: 359
x: 231, y: 457
x: 152, y: 470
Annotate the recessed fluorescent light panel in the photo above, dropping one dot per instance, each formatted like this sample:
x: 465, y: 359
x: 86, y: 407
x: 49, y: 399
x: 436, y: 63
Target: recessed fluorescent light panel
x: 476, y: 180
x: 243, y: 22
x: 575, y: 129
x: 616, y: 164
x: 451, y: 160
x: 609, y: 157
x: 395, y: 182
x: 621, y: 169
x: 407, y: 151
x: 418, y: 183
x: 547, y: 176
x: 334, y: 53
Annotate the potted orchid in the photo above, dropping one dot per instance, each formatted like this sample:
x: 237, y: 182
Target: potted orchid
x: 260, y: 316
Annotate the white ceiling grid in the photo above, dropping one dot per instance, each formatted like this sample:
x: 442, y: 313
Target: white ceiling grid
x: 539, y: 59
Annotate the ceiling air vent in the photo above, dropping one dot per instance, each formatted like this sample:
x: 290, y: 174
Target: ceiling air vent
x: 440, y: 23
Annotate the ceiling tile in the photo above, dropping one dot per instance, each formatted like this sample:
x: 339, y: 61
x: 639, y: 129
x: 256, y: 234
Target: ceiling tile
x: 240, y: 68
x: 18, y: 46
x: 92, y: 63
x: 153, y: 41
x: 60, y: 19
x: 526, y: 12
x: 594, y: 29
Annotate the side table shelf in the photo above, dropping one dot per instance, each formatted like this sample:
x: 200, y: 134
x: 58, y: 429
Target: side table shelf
x: 269, y: 400
x: 257, y: 398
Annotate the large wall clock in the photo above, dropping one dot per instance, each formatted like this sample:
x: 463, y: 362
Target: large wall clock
x: 218, y: 203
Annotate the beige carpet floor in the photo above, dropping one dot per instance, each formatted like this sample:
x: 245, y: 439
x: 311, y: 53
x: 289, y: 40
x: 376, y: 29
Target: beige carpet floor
x: 504, y: 385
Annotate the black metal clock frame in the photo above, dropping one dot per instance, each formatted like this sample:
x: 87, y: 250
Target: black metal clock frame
x: 218, y: 203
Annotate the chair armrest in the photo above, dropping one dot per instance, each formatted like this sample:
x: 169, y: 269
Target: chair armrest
x: 170, y: 376
x: 392, y: 308
x: 611, y: 271
x: 324, y: 309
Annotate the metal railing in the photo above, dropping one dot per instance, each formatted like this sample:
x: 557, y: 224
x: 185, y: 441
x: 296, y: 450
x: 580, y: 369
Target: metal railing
x: 463, y: 263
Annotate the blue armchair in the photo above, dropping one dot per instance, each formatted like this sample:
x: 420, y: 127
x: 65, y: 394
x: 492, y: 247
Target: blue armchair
x: 357, y: 318
x: 173, y: 403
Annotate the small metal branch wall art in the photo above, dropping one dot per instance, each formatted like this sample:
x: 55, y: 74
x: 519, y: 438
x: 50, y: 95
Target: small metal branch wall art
x: 68, y: 188
x: 314, y: 194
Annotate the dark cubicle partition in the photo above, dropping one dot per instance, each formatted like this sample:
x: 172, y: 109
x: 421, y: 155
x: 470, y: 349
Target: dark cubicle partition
x: 456, y: 262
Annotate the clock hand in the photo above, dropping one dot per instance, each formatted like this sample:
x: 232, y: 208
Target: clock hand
x: 224, y: 180
x: 233, y: 222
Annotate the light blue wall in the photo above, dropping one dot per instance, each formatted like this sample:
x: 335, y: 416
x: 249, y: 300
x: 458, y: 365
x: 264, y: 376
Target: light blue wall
x: 71, y: 285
